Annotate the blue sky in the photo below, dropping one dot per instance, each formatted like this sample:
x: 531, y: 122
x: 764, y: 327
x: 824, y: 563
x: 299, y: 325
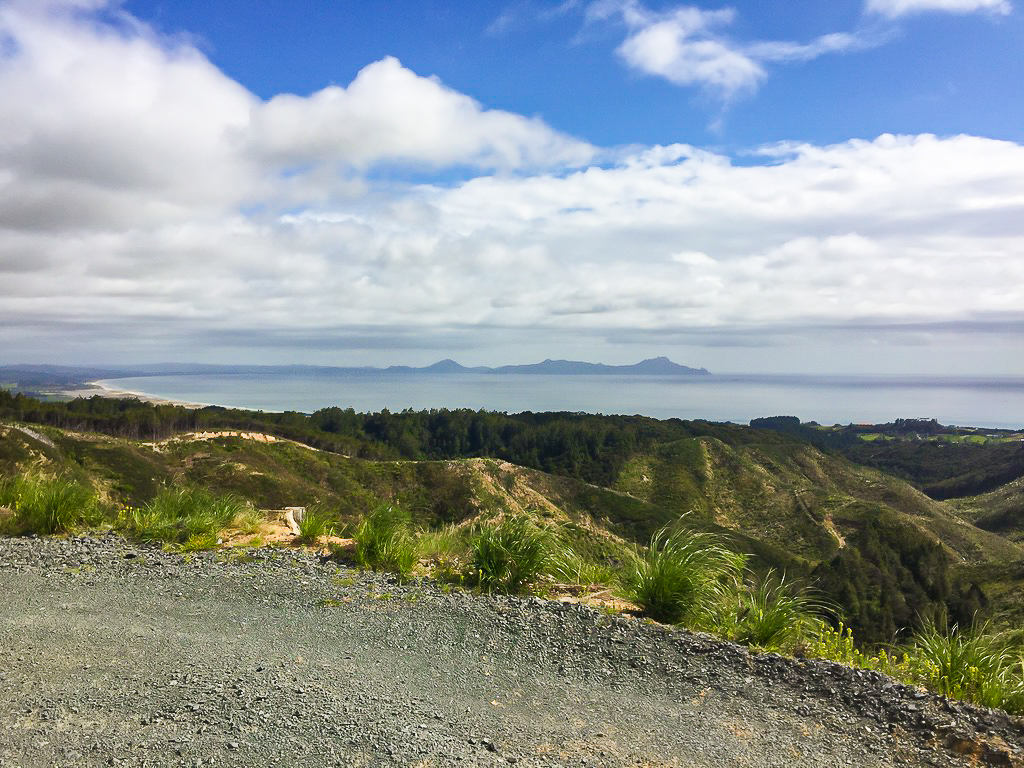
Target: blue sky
x: 924, y: 72
x: 816, y: 185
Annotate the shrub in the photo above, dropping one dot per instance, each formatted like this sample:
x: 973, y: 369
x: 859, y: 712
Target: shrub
x: 185, y: 516
x: 771, y: 615
x: 683, y: 576
x: 509, y: 556
x: 384, y: 542
x: 48, y: 505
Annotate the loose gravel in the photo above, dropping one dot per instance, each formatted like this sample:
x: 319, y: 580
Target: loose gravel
x: 118, y: 655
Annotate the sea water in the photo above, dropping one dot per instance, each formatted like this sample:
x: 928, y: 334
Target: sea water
x: 992, y: 402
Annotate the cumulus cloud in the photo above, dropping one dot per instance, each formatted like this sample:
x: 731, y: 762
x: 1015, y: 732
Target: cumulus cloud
x: 103, y: 128
x: 685, y: 45
x: 390, y: 114
x: 112, y: 125
x: 897, y: 8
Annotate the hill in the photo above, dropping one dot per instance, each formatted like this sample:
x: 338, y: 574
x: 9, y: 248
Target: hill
x: 881, y: 549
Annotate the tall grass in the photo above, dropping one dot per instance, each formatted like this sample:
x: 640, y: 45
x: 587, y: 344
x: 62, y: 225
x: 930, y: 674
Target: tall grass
x: 509, y: 556
x: 973, y: 664
x: 968, y: 664
x: 683, y: 577
x: 384, y: 541
x: 312, y: 526
x: 772, y: 615
x: 570, y: 568
x: 443, y: 544
x: 48, y: 505
x: 187, y: 517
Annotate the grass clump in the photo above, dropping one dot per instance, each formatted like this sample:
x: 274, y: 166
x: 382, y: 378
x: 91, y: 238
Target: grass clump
x: 683, y: 577
x: 443, y: 544
x: 384, y: 541
x: 47, y: 505
x: 974, y: 664
x: 312, y: 526
x: 772, y: 615
x: 445, y: 551
x: 187, y: 517
x: 971, y: 664
x: 509, y: 556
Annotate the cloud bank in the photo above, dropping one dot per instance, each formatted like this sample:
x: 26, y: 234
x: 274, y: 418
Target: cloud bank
x: 151, y: 205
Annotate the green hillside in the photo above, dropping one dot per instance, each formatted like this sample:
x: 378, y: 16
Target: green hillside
x: 885, y: 552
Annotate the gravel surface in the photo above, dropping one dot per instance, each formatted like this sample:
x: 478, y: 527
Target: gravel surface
x: 118, y: 655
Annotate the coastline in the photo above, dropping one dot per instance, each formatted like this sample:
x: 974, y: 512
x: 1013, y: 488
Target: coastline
x: 737, y: 398
x: 100, y: 389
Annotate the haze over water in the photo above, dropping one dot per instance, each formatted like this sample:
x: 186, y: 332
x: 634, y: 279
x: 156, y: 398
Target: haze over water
x: 994, y: 402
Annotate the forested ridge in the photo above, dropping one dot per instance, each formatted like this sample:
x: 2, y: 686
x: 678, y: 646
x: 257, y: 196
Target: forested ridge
x: 583, y: 446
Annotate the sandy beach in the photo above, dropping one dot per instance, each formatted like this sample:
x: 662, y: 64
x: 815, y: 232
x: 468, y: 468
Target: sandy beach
x: 94, y: 388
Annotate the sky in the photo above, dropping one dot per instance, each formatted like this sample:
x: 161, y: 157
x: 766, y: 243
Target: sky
x: 819, y: 186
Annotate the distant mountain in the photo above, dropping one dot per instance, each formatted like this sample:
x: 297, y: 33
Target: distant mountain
x: 69, y: 376
x: 444, y: 366
x: 656, y: 366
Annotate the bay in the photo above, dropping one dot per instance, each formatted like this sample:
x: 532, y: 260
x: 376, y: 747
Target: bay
x: 991, y: 402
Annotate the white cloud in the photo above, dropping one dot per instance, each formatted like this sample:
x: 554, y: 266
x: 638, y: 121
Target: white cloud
x: 897, y: 8
x: 684, y: 45
x: 105, y: 128
x: 390, y: 114
x: 114, y: 126
x: 679, y: 49
x: 141, y: 209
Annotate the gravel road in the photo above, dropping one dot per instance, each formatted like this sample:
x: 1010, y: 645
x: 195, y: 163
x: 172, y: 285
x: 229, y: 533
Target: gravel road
x: 116, y: 655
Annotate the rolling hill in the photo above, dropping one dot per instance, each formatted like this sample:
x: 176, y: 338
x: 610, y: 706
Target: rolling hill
x: 885, y: 552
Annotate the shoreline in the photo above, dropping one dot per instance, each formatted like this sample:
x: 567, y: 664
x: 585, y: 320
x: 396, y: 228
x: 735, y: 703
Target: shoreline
x: 98, y: 388
x: 104, y: 388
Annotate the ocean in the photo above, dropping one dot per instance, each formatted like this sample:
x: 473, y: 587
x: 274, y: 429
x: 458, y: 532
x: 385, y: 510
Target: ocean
x: 990, y: 402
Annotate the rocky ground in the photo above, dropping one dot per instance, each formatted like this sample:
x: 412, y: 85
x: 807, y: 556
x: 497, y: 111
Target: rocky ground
x: 116, y: 655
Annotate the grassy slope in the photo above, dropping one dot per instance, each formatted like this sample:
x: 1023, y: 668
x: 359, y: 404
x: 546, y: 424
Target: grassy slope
x: 790, y: 497
x: 789, y: 504
x: 796, y: 497
x: 1000, y: 511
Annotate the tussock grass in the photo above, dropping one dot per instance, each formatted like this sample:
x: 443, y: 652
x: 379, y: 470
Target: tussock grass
x: 509, y: 556
x: 312, y: 526
x: 772, y: 615
x: 683, y: 577
x: 443, y: 544
x: 249, y: 521
x: 970, y: 664
x: 384, y: 541
x: 48, y: 505
x: 187, y: 517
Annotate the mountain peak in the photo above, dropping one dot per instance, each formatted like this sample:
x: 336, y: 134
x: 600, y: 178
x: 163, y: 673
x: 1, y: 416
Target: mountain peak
x: 446, y: 365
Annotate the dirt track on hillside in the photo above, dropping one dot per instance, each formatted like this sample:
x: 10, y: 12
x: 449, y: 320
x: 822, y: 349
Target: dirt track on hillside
x: 114, y: 655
